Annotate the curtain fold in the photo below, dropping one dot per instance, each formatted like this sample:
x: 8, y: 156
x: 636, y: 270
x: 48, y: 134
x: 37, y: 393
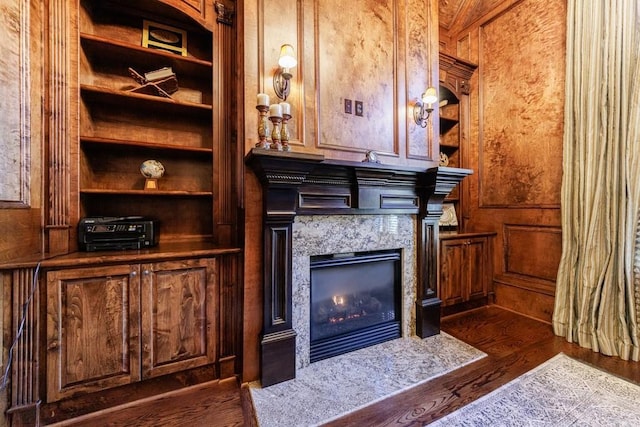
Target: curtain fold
x: 596, y: 301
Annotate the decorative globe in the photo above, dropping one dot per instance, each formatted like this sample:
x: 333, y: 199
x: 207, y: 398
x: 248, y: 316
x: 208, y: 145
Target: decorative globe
x: 152, y: 169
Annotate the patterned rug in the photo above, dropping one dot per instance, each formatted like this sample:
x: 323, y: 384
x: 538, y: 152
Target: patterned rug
x: 330, y: 388
x: 560, y: 392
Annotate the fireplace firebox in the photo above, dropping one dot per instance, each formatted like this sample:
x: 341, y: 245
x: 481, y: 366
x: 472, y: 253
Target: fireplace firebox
x: 355, y: 301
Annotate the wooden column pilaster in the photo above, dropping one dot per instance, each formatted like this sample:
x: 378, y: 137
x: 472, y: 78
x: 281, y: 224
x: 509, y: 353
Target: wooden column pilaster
x: 280, y: 196
x: 437, y: 185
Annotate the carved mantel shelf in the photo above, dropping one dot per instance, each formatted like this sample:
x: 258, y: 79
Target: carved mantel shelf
x: 308, y: 184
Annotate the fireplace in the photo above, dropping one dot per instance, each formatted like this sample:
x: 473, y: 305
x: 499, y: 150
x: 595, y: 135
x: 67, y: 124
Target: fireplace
x: 298, y: 184
x: 355, y: 301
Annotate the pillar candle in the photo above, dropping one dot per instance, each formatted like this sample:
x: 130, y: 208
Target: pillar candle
x: 263, y: 99
x: 275, y: 110
x: 286, y: 108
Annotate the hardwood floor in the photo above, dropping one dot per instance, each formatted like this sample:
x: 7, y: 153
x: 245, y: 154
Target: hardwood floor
x: 514, y: 345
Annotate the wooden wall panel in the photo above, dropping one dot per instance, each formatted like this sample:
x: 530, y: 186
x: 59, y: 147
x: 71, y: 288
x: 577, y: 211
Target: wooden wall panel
x: 523, y: 301
x: 521, y: 95
x: 532, y: 251
x: 379, y: 53
x: 14, y: 104
x: 20, y: 127
x: 421, y: 30
x: 355, y: 54
x: 21, y: 91
x: 515, y: 144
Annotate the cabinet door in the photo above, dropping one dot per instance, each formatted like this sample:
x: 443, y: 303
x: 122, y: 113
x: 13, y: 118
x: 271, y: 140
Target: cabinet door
x: 92, y: 324
x: 179, y: 327
x: 452, y: 289
x: 475, y: 268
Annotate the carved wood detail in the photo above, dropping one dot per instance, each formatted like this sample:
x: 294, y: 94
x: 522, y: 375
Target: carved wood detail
x: 25, y: 358
x: 456, y: 71
x: 224, y: 184
x: 225, y: 13
x: 297, y: 183
x: 61, y: 130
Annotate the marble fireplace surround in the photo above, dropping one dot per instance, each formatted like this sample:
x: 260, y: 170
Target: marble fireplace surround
x: 326, y: 234
x: 330, y: 203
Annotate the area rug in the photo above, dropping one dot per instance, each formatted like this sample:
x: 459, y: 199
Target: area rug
x: 560, y: 392
x: 331, y: 388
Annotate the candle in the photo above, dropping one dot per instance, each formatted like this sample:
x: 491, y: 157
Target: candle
x: 286, y: 108
x: 275, y: 110
x: 263, y: 99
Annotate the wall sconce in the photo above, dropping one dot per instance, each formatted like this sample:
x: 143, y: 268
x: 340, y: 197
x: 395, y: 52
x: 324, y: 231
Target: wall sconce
x: 282, y: 76
x: 422, y: 109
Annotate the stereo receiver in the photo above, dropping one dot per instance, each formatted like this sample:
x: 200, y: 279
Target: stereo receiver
x: 117, y: 233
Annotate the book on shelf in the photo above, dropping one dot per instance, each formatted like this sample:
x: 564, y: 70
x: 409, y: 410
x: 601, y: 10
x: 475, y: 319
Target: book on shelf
x: 159, y: 74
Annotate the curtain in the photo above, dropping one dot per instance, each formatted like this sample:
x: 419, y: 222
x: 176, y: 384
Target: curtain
x: 596, y: 302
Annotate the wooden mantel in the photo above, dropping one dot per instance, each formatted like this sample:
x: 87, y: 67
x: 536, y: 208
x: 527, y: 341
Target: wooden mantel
x: 309, y: 184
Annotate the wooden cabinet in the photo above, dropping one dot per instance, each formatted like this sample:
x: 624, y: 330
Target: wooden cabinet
x: 114, y: 325
x: 465, y: 270
x: 92, y: 329
x: 178, y: 306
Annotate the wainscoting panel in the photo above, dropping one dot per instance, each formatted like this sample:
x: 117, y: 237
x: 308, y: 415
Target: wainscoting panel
x: 532, y: 252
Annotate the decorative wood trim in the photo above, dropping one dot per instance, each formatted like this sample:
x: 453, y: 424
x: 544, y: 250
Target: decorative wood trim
x: 225, y: 160
x: 25, y: 369
x: 459, y: 68
x: 298, y: 183
x: 225, y: 13
x: 62, y: 128
x: 229, y: 285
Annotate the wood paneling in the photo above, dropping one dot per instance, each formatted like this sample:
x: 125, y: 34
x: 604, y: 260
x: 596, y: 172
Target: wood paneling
x: 521, y: 298
x: 532, y: 252
x: 358, y: 41
x: 379, y: 53
x: 515, y: 143
x: 422, y: 73
x: 15, y: 62
x: 521, y: 106
x: 21, y: 129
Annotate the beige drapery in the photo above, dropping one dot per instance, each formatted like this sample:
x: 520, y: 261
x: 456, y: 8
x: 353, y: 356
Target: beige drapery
x: 596, y: 299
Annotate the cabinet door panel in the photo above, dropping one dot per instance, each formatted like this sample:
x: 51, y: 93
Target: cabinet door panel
x: 476, y: 265
x: 178, y: 322
x: 452, y: 290
x: 91, y: 338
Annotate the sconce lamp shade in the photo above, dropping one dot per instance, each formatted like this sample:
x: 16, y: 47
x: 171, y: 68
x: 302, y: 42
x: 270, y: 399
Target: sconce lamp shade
x: 287, y: 57
x: 282, y: 76
x: 430, y: 96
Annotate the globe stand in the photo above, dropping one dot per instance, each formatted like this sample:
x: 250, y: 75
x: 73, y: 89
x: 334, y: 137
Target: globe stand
x: 151, y: 184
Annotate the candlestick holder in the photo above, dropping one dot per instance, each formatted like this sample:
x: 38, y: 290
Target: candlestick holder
x: 275, y: 134
x: 263, y: 127
x: 284, y: 133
